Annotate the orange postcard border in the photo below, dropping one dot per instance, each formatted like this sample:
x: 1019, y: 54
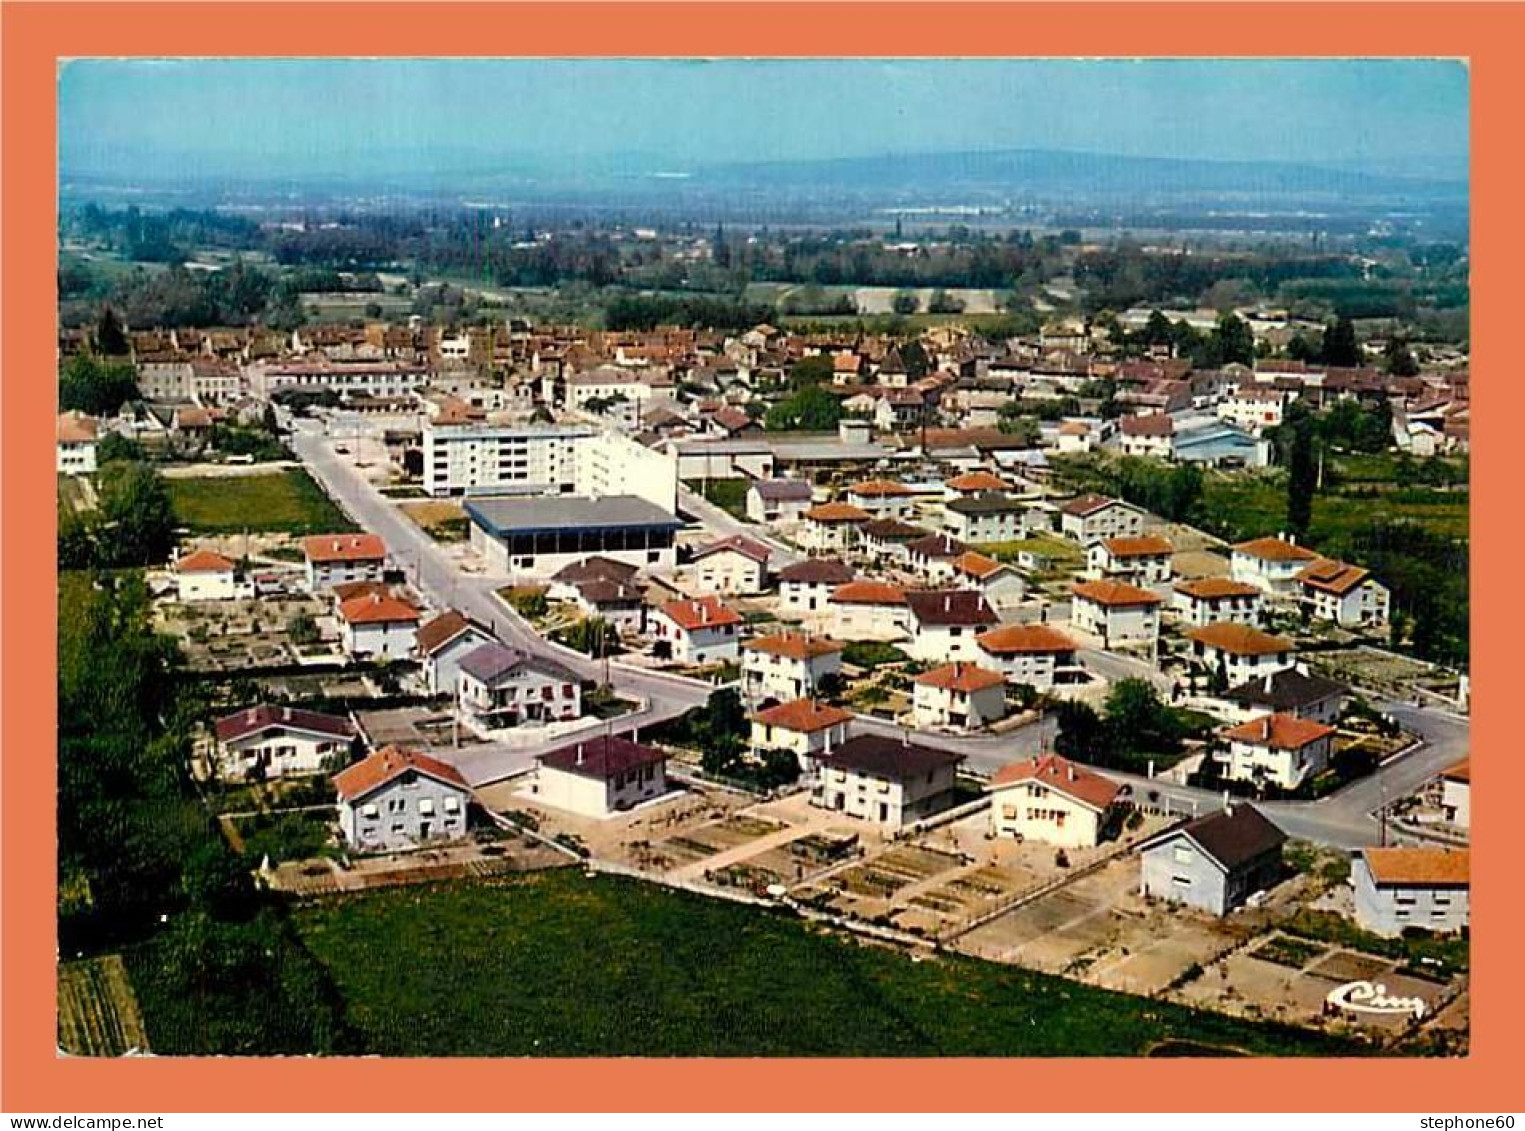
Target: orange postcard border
x: 36, y: 35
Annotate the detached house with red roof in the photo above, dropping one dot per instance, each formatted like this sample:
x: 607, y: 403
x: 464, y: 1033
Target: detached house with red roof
x: 1277, y: 749
x: 1270, y: 564
x: 271, y: 742
x: 1051, y: 800
x: 1345, y: 594
x: 1116, y: 612
x: 204, y: 575
x: 733, y: 565
x: 1031, y: 654
x: 333, y: 559
x: 75, y: 442
x: 1002, y: 586
x: 600, y: 776
x: 400, y: 799
x: 701, y: 630
x: 869, y: 610
x: 1141, y: 560
x: 1213, y: 600
x: 787, y: 665
x: 958, y: 696
x: 832, y: 527
x: 806, y: 727
x: 378, y: 624
x: 1456, y: 794
x: 1240, y: 651
x: 882, y: 498
x: 1399, y: 888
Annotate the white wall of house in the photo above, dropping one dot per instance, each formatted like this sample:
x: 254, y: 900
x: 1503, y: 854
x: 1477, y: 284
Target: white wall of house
x: 597, y: 797
x: 398, y: 816
x: 1200, y: 611
x: 1278, y: 578
x: 1241, y: 668
x: 76, y: 457
x: 942, y: 644
x: 885, y: 802
x: 1036, y: 669
x: 1387, y: 911
x: 322, y: 575
x: 526, y: 696
x: 713, y: 644
x: 729, y: 571
x: 803, y: 744
x: 206, y: 585
x: 1288, y: 769
x: 1136, y: 569
x: 281, y: 750
x: 868, y: 622
x: 1030, y: 810
x: 767, y: 675
x: 442, y: 669
x: 383, y: 640
x: 1366, y: 603
x: 1115, y: 521
x: 1456, y: 799
x: 828, y: 537
x: 1116, y: 624
x: 957, y: 710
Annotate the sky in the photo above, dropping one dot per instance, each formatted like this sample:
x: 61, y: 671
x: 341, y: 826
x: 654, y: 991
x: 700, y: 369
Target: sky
x: 324, y: 116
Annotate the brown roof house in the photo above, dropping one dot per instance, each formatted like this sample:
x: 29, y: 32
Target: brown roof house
x: 891, y: 781
x: 600, y: 776
x: 1215, y: 862
x: 401, y: 799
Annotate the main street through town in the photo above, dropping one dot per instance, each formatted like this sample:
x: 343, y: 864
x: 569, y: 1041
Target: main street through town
x: 1344, y: 819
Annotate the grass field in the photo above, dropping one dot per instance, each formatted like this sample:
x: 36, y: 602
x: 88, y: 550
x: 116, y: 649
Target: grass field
x: 1252, y: 506
x: 442, y: 521
x: 97, y: 1012
x: 285, y: 502
x: 729, y: 495
x: 560, y: 964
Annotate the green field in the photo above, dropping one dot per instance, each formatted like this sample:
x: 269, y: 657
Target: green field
x: 283, y: 502
x: 1245, y: 506
x: 729, y: 495
x: 561, y: 964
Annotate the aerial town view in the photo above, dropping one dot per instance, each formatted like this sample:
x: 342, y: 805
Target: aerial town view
x: 763, y: 558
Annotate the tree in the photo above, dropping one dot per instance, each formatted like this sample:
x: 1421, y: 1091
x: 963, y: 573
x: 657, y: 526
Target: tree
x: 110, y: 338
x: 1298, y: 441
x: 1399, y: 359
x: 1139, y: 720
x: 97, y: 387
x: 137, y: 519
x: 808, y: 410
x: 905, y: 302
x: 1235, y: 341
x: 1082, y: 736
x: 942, y: 302
x: 1302, y: 349
x: 117, y: 448
x: 1340, y: 345
x: 810, y: 371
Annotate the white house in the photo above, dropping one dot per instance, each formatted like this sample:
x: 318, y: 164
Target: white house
x: 1117, y: 612
x: 985, y: 518
x: 958, y: 696
x: 333, y: 559
x: 832, y: 527
x: 1031, y: 654
x: 1270, y: 564
x: 944, y: 622
x: 503, y: 687
x: 869, y: 610
x: 1002, y: 586
x: 698, y: 630
x: 1141, y: 560
x: 1398, y: 888
x: 1051, y: 800
x: 204, y: 575
x: 400, y: 799
x: 441, y: 644
x: 806, y: 727
x: 271, y: 742
x: 1090, y: 518
x: 1345, y: 594
x: 804, y: 588
x: 1276, y: 749
x: 76, y: 441
x: 1211, y: 600
x: 378, y: 625
x: 1288, y: 691
x: 778, y: 500
x: 931, y: 558
x: 1150, y: 434
x: 882, y: 498
x: 600, y: 776
x: 1241, y: 651
x: 732, y: 565
x: 888, y: 780
x: 787, y: 665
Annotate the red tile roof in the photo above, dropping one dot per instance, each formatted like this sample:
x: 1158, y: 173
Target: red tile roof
x: 741, y: 545
x: 794, y: 645
x: 1213, y: 588
x: 961, y: 677
x: 837, y: 512
x: 434, y: 635
x: 1279, y: 732
x: 365, y: 777
x: 868, y: 593
x: 203, y: 561
x: 1275, y: 550
x: 1142, y: 546
x: 978, y: 481
x: 1418, y: 867
x: 1462, y: 771
x: 344, y: 548
x: 1331, y: 576
x: 377, y: 608
x: 1084, y: 505
x: 74, y: 427
x: 1012, y: 639
x: 976, y: 564
x: 804, y: 716
x: 879, y: 488
x: 1062, y: 776
x: 1115, y: 594
x: 1240, y: 639
x: 689, y: 613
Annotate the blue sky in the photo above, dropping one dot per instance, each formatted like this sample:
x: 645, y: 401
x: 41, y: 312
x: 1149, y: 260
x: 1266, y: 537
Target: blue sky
x: 327, y: 115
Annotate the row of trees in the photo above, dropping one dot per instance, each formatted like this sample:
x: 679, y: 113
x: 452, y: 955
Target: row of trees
x: 1134, y: 727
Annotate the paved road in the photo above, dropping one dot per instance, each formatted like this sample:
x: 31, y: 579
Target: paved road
x: 1343, y: 819
x: 438, y: 577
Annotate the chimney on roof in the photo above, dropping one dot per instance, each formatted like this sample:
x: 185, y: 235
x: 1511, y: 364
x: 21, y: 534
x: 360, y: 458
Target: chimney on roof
x: 579, y: 753
x: 286, y: 714
x: 1228, y: 804
x: 1267, y: 683
x: 253, y: 712
x: 1072, y: 773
